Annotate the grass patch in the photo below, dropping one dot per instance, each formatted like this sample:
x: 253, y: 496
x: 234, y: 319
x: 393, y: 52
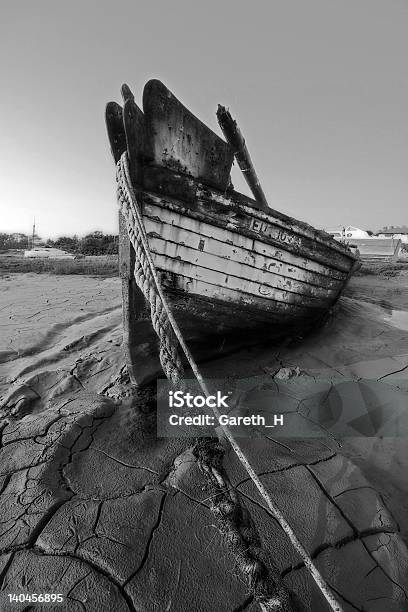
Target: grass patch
x: 103, y: 265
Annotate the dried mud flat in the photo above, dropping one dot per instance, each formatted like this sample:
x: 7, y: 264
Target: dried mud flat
x: 95, y: 507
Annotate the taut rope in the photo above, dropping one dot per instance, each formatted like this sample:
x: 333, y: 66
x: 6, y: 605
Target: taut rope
x: 168, y: 332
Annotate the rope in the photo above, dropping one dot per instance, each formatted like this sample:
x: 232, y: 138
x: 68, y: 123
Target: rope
x: 168, y: 331
x: 146, y: 276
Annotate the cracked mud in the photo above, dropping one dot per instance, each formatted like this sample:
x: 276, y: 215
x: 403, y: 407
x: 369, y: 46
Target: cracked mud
x: 94, y: 506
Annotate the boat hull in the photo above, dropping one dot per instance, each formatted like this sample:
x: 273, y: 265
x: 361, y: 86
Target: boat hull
x: 234, y: 270
x: 230, y: 288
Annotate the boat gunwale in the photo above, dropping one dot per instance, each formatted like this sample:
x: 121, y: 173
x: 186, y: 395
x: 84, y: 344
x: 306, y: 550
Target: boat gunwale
x: 183, y: 208
x: 303, y: 232
x: 232, y: 199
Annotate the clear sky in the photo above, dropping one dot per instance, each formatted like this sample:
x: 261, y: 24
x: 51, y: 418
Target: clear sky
x: 319, y: 88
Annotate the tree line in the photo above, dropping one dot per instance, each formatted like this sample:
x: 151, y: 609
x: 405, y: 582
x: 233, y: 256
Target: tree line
x: 96, y: 243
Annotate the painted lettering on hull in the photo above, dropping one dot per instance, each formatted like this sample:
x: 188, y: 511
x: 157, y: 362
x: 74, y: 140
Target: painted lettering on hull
x: 271, y: 231
x: 263, y: 290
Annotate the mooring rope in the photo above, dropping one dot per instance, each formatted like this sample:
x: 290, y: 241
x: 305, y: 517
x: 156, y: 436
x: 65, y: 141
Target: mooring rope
x: 168, y: 332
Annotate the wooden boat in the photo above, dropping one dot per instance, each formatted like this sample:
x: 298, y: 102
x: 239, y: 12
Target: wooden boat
x: 234, y: 270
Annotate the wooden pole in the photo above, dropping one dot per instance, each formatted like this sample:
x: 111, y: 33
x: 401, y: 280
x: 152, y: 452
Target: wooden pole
x: 126, y: 132
x: 235, y: 139
x: 130, y: 292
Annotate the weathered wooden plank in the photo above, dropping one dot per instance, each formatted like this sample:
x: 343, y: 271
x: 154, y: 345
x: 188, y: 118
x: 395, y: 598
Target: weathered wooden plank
x: 242, y: 224
x: 179, y: 221
x: 175, y: 185
x: 214, y: 263
x: 133, y: 121
x: 132, y: 304
x: 227, y: 280
x: 178, y: 140
x: 210, y: 314
x: 207, y: 243
x: 126, y: 92
x: 263, y: 307
x: 134, y: 307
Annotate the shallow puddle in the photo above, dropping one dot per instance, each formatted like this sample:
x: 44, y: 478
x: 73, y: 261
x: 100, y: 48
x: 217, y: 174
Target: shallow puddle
x: 398, y: 318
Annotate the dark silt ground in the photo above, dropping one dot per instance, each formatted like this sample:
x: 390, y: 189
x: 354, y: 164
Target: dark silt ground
x: 95, y: 507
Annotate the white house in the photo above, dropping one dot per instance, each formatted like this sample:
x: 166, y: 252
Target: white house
x: 347, y: 233
x: 399, y: 232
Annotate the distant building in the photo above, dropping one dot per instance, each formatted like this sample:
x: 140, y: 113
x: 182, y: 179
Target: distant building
x: 347, y: 233
x: 399, y: 232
